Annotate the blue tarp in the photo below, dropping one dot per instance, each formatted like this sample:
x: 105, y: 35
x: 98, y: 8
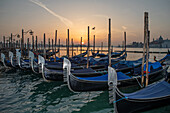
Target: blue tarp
x: 57, y: 59
x: 152, y: 66
x: 121, y: 76
x: 124, y: 64
x: 26, y: 60
x: 160, y: 89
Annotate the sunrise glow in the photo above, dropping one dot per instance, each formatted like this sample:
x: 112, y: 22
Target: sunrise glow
x: 46, y: 16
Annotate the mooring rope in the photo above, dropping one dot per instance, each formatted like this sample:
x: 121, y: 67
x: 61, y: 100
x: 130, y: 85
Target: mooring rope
x: 138, y: 82
x: 102, y: 72
x: 120, y: 99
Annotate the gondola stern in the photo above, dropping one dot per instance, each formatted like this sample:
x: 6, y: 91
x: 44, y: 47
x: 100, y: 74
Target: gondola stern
x: 31, y: 61
x: 11, y: 57
x: 112, y: 83
x: 66, y: 69
x: 3, y: 59
x: 41, y: 62
x: 67, y: 73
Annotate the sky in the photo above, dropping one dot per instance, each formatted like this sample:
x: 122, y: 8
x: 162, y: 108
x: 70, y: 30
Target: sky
x: 46, y: 16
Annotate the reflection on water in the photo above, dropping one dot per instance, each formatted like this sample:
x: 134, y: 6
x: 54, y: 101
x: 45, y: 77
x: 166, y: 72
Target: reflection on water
x: 23, y: 91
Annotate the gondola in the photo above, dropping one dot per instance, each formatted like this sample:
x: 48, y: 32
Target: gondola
x: 126, y: 66
x: 49, y: 64
x: 53, y: 74
x: 100, y: 82
x: 4, y: 61
x: 80, y: 55
x: 113, y: 54
x: 23, y: 63
x: 34, y: 63
x: 13, y: 61
x: 49, y: 53
x: 105, y: 59
x: 8, y: 62
x: 50, y: 72
x: 152, y: 96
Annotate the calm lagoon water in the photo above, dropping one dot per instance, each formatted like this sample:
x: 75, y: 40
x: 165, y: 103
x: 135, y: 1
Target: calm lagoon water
x: 26, y: 92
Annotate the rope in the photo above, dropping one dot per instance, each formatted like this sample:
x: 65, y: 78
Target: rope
x: 138, y: 82
x: 102, y: 72
x: 120, y: 99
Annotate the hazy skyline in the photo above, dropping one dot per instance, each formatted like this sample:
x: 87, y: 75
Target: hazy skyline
x: 46, y: 16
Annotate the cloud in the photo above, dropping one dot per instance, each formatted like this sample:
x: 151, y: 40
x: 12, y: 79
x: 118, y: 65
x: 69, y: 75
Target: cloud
x: 63, y: 19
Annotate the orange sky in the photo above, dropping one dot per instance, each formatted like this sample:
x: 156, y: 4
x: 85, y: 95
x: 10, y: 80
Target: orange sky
x: 44, y: 16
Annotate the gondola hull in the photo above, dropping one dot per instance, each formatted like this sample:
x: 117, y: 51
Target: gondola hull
x: 136, y: 105
x: 80, y: 85
x: 57, y: 75
x: 152, y: 96
x: 155, y: 76
x: 54, y: 75
x: 97, y: 84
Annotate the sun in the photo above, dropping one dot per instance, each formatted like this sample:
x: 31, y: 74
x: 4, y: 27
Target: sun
x: 82, y: 43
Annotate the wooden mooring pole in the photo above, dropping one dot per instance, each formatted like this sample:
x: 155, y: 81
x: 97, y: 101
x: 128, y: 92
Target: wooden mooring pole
x: 22, y: 42
x: 101, y: 47
x: 59, y: 47
x: 11, y: 41
x: 81, y: 45
x: 28, y: 44
x: 147, y: 58
x: 55, y: 45
x: 109, y: 43
x: 144, y: 46
x: 49, y: 43
x: 44, y: 47
x: 94, y: 43
x: 33, y: 43
x: 88, y: 47
x: 72, y: 46
x: 125, y: 43
x: 52, y: 46
x: 36, y: 43
x: 41, y: 46
x: 68, y: 44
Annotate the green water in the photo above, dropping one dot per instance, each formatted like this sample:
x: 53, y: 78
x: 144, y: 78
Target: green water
x: 25, y: 92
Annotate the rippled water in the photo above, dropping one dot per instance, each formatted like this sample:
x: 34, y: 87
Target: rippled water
x: 24, y: 91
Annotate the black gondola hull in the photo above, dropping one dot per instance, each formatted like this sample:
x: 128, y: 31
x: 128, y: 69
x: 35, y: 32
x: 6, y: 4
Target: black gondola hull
x: 80, y: 85
x: 77, y: 84
x: 136, y: 105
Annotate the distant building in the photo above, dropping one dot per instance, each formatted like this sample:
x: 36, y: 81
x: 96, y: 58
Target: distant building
x: 158, y: 43
x: 166, y: 44
x: 136, y: 44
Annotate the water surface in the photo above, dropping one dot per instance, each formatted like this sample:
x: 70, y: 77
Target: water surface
x: 26, y: 92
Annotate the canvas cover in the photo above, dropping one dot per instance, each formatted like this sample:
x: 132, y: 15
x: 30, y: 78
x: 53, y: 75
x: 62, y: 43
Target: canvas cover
x: 157, y: 90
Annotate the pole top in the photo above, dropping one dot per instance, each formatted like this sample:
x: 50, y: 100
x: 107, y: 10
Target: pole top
x: 146, y: 14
